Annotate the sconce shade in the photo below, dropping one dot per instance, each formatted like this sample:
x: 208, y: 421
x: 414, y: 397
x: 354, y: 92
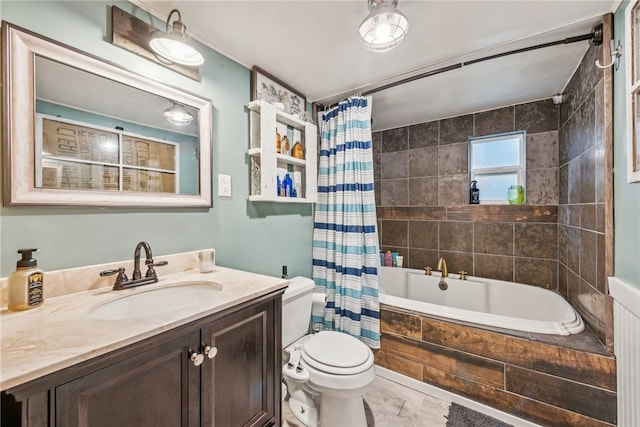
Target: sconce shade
x: 384, y: 28
x: 178, y: 115
x: 175, y: 46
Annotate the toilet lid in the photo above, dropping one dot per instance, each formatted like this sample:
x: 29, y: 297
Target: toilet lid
x: 336, y: 349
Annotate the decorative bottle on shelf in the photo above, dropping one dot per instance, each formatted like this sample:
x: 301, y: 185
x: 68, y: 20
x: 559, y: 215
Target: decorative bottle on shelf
x: 284, y: 98
x: 297, y: 184
x: 287, y: 183
x: 278, y: 142
x: 285, y: 145
x: 474, y: 193
x: 297, y: 150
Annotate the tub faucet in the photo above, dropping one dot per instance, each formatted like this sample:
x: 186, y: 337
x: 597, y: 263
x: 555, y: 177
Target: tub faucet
x: 442, y: 267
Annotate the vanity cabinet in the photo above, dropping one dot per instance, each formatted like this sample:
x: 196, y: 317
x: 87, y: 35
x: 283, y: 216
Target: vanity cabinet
x: 267, y: 160
x: 245, y: 372
x: 156, y: 382
x: 156, y: 386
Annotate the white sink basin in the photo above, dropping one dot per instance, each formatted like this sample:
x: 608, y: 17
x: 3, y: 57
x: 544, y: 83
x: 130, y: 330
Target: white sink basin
x: 156, y: 301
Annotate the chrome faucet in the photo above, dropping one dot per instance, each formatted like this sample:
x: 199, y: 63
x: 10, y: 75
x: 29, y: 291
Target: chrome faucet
x: 123, y: 282
x: 442, y: 267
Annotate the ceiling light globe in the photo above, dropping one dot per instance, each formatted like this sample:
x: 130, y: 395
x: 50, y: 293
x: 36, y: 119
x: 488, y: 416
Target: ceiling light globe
x: 177, y: 115
x: 384, y: 29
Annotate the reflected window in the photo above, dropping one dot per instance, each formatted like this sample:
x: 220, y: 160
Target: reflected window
x: 80, y: 157
x: 497, y: 162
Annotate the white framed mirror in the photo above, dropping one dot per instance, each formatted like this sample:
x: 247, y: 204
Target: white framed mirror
x: 79, y: 131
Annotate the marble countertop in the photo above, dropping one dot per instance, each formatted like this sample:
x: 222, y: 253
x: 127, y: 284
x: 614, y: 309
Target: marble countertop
x: 60, y: 333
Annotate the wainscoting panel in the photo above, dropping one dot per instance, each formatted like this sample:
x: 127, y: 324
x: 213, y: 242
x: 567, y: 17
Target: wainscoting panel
x: 626, y: 312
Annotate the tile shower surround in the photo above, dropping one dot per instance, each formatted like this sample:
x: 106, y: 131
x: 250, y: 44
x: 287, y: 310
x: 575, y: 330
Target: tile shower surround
x: 421, y: 174
x: 557, y: 241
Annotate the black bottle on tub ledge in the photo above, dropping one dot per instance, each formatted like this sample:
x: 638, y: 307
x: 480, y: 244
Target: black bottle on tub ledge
x: 474, y: 194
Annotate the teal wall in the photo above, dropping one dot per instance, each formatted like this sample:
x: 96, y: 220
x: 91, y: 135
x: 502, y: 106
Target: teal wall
x: 249, y: 236
x: 626, y: 196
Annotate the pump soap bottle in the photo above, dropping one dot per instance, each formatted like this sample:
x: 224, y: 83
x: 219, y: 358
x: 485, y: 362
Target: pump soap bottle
x: 474, y: 193
x: 25, y: 284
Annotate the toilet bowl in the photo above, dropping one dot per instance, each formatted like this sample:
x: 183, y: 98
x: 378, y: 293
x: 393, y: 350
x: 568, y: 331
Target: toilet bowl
x: 327, y: 375
x: 328, y: 372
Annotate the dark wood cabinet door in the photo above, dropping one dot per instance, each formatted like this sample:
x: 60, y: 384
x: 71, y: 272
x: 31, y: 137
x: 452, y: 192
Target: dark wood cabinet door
x: 238, y: 384
x: 158, y: 386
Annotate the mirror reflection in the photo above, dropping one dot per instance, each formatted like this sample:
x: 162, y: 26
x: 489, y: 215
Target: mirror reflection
x: 93, y: 133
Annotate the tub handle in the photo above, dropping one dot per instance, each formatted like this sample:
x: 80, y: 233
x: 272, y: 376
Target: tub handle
x: 427, y: 271
x: 463, y: 274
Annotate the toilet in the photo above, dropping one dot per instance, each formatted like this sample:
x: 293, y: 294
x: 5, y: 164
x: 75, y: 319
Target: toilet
x: 327, y: 372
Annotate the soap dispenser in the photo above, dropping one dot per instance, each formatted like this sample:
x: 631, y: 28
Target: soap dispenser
x: 25, y: 284
x: 474, y: 193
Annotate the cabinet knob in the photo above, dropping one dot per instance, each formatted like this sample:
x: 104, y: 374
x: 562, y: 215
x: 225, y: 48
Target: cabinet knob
x: 210, y: 351
x: 197, y: 358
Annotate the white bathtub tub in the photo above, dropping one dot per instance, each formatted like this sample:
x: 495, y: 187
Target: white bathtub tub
x: 481, y: 301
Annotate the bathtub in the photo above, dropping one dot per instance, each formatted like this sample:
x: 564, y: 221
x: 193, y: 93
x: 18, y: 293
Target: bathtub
x: 489, y: 302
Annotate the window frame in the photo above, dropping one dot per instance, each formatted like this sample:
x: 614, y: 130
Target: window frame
x: 632, y: 77
x: 519, y: 169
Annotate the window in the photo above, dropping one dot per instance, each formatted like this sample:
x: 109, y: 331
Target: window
x: 632, y: 63
x: 497, y: 162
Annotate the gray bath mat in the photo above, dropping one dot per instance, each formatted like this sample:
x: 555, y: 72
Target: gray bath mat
x: 461, y: 416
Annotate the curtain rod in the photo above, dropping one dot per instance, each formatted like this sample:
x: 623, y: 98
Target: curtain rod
x: 595, y: 38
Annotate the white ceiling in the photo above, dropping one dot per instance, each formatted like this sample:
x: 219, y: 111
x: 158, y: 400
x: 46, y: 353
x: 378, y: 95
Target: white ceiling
x: 312, y: 45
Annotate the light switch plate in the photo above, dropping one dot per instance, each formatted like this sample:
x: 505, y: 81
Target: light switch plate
x: 224, y: 185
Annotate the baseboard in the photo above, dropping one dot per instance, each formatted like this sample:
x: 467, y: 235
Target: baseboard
x: 448, y: 396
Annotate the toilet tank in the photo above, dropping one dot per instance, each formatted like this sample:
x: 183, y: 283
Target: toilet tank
x: 296, y: 309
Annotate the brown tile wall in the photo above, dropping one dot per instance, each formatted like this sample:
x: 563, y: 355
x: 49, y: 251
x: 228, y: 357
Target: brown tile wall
x: 533, y: 379
x: 558, y: 240
x: 425, y: 166
x: 581, y: 209
x: 421, y: 174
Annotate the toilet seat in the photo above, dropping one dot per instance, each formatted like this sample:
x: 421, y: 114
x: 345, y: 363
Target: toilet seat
x: 337, y: 353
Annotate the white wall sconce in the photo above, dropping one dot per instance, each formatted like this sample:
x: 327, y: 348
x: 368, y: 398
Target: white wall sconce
x: 134, y: 35
x: 175, y: 46
x: 384, y: 28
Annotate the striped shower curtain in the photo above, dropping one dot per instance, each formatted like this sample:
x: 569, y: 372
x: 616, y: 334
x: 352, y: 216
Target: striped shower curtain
x: 345, y: 238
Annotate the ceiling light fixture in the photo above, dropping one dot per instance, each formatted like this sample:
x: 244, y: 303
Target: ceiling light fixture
x: 178, y: 115
x: 175, y: 46
x: 384, y: 28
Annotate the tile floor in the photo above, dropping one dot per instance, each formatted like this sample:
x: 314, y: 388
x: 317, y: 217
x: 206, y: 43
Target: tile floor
x: 389, y: 404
